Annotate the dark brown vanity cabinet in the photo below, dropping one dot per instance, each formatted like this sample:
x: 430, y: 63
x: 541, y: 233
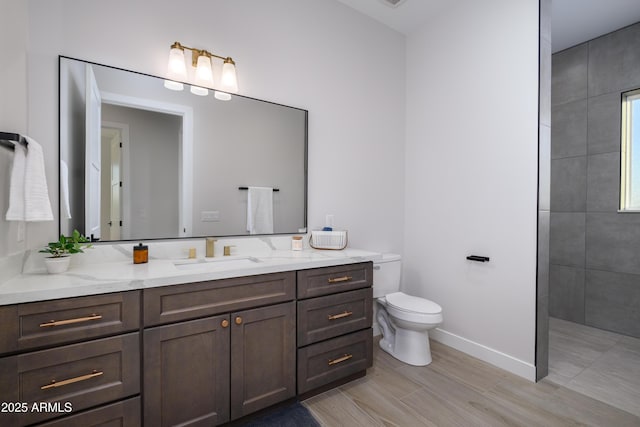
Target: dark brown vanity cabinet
x: 210, y: 370
x: 194, y: 354
x: 335, y: 313
x: 88, y: 356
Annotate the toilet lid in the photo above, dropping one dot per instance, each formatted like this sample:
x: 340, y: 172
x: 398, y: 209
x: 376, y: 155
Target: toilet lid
x: 405, y: 302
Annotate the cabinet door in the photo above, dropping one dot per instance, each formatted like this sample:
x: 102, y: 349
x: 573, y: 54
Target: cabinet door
x: 263, y: 348
x: 186, y: 373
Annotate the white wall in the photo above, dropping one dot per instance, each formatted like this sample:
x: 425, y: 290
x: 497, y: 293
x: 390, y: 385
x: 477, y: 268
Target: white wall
x: 471, y: 174
x: 272, y: 153
x: 318, y: 55
x: 13, y: 108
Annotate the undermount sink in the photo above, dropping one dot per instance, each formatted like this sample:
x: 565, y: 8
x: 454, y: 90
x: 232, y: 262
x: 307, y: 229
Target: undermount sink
x: 214, y: 263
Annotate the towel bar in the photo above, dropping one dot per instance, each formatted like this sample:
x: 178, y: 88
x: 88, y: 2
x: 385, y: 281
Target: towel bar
x: 478, y: 258
x: 8, y: 140
x: 246, y: 188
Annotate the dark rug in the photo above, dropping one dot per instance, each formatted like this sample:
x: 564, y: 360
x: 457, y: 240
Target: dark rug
x: 294, y: 415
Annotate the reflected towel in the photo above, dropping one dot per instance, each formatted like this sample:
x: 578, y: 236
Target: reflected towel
x: 28, y: 192
x: 260, y: 210
x: 64, y: 190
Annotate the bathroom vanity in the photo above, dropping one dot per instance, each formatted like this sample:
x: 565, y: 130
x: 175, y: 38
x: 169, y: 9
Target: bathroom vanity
x: 189, y: 352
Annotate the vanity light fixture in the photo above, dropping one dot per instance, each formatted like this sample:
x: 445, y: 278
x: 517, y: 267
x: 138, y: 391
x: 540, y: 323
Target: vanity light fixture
x: 201, y: 61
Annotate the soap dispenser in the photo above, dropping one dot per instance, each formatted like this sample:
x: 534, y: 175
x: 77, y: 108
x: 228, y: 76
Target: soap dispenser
x: 140, y: 254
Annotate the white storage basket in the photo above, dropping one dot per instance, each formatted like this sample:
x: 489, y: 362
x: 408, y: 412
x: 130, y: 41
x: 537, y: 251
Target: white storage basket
x: 336, y: 239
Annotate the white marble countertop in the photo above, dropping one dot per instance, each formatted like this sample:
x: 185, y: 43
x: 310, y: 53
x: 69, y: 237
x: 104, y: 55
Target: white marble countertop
x: 109, y: 268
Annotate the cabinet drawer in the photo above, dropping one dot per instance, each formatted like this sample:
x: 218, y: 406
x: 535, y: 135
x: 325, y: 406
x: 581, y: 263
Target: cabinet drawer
x: 83, y: 375
x: 183, y: 302
x: 330, y: 280
x: 328, y: 361
x: 120, y: 414
x: 43, y: 324
x: 333, y: 315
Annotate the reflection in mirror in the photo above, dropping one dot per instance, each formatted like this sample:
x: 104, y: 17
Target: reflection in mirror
x: 138, y: 161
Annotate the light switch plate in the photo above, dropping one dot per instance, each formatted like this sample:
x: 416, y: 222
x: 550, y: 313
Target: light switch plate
x: 210, y: 216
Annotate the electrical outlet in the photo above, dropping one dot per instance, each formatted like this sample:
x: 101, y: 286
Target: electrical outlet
x: 210, y: 216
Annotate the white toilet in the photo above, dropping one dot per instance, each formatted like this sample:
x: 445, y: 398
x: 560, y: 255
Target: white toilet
x: 403, y: 319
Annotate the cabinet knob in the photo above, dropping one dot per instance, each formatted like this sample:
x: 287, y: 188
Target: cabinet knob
x: 225, y: 323
x: 238, y: 320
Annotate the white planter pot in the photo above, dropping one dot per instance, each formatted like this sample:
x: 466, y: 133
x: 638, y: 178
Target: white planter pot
x: 57, y: 265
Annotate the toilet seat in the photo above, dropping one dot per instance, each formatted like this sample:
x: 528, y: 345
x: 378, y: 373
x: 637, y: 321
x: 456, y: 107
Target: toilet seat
x: 404, y: 314
x: 403, y: 302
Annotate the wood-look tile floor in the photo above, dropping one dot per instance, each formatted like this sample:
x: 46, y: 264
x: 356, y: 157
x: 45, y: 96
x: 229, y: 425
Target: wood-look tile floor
x: 597, y: 363
x: 457, y: 390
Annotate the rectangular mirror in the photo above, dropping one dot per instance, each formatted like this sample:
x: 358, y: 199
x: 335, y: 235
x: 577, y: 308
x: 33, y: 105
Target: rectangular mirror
x: 139, y: 161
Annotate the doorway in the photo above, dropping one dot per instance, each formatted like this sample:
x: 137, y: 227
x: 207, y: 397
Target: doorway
x: 114, y: 141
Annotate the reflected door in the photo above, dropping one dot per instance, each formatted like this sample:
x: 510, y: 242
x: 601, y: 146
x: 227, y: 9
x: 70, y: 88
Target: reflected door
x: 114, y: 212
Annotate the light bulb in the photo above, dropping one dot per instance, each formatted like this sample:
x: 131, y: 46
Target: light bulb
x: 200, y: 91
x: 170, y: 84
x: 229, y: 80
x: 222, y: 96
x: 204, y: 74
x: 176, y: 69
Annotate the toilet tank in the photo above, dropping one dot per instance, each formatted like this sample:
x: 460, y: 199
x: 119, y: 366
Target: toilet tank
x: 386, y: 275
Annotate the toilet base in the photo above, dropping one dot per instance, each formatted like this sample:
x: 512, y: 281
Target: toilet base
x: 411, y: 347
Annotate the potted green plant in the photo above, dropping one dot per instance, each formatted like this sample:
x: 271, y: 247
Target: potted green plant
x: 61, y: 250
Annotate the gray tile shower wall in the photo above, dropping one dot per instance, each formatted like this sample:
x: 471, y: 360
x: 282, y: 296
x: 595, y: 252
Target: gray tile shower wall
x: 569, y: 75
x: 566, y: 293
x: 569, y: 178
x: 603, y: 123
x: 567, y: 238
x: 594, y: 276
x: 603, y: 182
x: 614, y: 60
x: 612, y: 301
x: 569, y: 129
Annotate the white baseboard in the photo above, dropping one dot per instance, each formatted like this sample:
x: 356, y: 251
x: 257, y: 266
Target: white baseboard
x: 486, y: 354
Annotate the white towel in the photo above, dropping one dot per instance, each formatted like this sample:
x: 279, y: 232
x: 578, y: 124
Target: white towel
x: 64, y: 190
x: 28, y: 192
x: 260, y: 210
x: 16, y: 186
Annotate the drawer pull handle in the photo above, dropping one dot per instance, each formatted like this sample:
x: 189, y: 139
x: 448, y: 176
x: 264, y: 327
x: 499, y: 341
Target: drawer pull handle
x: 55, y: 384
x: 238, y: 320
x: 340, y: 359
x: 70, y: 321
x: 340, y: 316
x: 225, y: 323
x: 340, y: 279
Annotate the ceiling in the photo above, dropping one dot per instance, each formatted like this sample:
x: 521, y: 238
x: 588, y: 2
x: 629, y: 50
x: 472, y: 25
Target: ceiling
x: 572, y: 22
